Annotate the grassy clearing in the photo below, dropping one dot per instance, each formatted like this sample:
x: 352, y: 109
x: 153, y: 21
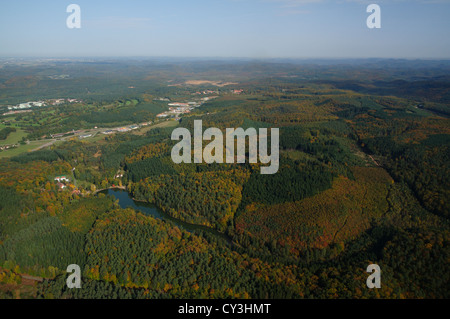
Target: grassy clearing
x: 22, y: 149
x: 164, y: 124
x: 14, y: 137
x: 96, y: 138
x: 298, y: 155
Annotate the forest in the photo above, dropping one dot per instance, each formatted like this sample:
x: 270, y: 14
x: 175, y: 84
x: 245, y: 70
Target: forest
x: 363, y: 179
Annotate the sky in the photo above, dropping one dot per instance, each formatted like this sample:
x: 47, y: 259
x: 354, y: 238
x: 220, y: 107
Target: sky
x: 226, y: 28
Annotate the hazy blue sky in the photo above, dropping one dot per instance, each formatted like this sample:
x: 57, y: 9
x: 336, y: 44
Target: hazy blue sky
x: 226, y: 28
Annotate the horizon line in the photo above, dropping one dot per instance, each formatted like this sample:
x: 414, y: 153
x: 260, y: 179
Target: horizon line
x: 218, y: 57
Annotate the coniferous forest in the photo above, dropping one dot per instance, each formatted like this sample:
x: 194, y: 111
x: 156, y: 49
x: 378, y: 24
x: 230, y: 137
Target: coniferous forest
x: 363, y: 178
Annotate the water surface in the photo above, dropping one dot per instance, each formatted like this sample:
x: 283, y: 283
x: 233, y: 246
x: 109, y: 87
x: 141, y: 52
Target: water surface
x: 126, y: 201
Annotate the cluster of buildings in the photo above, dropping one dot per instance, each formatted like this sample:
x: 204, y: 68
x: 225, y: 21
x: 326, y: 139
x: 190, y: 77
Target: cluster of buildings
x: 61, y: 180
x: 31, y: 104
x: 205, y: 92
x: 27, y: 105
x: 59, y: 135
x: 7, y: 147
x: 62, y: 101
x: 178, y: 108
x: 126, y: 128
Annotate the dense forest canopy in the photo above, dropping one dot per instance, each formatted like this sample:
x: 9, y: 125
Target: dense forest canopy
x: 363, y: 178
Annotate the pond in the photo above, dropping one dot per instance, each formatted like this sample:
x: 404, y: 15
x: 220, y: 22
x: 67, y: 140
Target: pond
x: 126, y: 201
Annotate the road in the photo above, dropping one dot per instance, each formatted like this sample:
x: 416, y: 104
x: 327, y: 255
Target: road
x: 94, y: 132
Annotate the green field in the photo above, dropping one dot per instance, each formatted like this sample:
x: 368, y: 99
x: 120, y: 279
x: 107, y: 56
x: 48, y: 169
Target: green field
x: 14, y: 137
x: 164, y: 124
x: 22, y: 149
x: 97, y: 137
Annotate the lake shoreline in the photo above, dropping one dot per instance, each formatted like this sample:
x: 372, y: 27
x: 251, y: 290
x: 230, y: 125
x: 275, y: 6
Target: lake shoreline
x: 157, y: 212
x: 105, y: 189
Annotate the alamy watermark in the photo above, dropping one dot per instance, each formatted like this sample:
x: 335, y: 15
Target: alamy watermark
x: 374, y: 280
x: 213, y: 152
x: 374, y: 20
x: 74, y: 20
x: 74, y: 280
